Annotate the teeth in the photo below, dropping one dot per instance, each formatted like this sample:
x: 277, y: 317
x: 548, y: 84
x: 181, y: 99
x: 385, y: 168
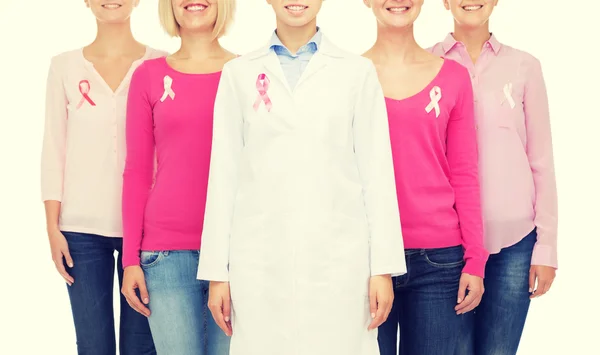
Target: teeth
x: 472, y: 7
x: 296, y: 8
x: 398, y: 9
x: 195, y: 7
x: 111, y: 6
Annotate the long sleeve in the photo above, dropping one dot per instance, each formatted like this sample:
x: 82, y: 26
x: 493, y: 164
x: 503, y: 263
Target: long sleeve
x: 541, y: 161
x: 55, y: 136
x: 227, y: 145
x: 139, y: 164
x: 462, y: 155
x: 374, y: 159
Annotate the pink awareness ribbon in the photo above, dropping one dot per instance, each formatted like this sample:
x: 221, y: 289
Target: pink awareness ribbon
x: 84, y: 89
x: 262, y: 85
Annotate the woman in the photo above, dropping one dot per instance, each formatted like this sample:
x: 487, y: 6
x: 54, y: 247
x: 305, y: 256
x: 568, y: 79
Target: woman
x: 301, y: 221
x: 517, y: 174
x: 170, y: 111
x: 82, y: 165
x: 432, y: 129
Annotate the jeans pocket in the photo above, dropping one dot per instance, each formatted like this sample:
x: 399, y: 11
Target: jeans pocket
x: 150, y: 258
x: 445, y: 257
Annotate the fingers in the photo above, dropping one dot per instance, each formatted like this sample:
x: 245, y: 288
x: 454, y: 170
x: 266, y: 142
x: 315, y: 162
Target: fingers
x: 68, y: 257
x: 383, y: 308
x: 531, y: 280
x: 134, y: 301
x: 144, y: 293
x: 217, y: 310
x: 473, y: 297
x: 227, y: 314
x: 462, y: 290
x: 542, y: 287
x: 469, y: 303
x: 60, y: 267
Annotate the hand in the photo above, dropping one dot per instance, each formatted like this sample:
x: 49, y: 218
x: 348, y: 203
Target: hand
x: 545, y: 276
x: 219, y: 303
x: 133, y: 278
x: 475, y: 286
x: 60, y: 249
x: 381, y: 299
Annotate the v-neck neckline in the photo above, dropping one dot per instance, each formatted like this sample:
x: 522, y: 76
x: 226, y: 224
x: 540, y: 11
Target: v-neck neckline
x: 125, y: 79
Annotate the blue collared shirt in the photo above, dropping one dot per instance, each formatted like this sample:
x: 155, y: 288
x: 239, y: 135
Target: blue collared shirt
x: 293, y: 65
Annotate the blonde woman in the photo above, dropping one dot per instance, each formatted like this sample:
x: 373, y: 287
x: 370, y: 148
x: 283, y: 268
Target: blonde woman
x: 170, y: 111
x: 82, y: 168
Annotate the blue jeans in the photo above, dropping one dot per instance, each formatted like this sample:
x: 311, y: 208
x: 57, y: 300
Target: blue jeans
x: 424, y: 301
x: 496, y: 325
x: 92, y: 299
x: 180, y: 320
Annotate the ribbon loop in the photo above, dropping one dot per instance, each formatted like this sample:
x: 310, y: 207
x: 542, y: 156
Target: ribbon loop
x: 167, y: 81
x: 84, y: 89
x: 262, y: 86
x: 435, y: 95
x: 508, y: 95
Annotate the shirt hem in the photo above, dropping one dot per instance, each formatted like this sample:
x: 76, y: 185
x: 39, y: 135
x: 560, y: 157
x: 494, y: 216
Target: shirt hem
x: 99, y: 232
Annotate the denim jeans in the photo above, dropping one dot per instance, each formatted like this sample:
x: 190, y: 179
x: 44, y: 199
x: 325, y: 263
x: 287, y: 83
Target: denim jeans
x: 424, y: 303
x: 92, y: 299
x: 180, y: 320
x: 495, y: 327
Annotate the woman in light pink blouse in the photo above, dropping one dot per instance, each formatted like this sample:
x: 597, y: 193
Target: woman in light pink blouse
x: 170, y: 112
x: 519, y: 197
x: 434, y: 146
x: 82, y: 166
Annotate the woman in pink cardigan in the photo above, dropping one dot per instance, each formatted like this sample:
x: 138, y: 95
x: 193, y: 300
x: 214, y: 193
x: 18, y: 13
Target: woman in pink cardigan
x: 82, y: 167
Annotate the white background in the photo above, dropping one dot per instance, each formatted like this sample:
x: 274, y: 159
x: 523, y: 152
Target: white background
x: 35, y: 309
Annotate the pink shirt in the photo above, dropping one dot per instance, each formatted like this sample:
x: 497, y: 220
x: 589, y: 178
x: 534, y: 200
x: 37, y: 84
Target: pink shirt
x: 515, y: 144
x: 172, y: 113
x: 83, y: 152
x: 434, y: 145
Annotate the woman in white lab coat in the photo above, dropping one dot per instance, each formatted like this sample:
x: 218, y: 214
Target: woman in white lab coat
x: 302, y: 230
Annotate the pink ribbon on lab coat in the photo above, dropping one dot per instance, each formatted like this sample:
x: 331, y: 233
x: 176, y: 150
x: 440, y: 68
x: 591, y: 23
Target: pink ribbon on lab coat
x: 262, y: 85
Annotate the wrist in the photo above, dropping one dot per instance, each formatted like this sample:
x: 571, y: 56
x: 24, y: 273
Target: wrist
x: 52, y: 228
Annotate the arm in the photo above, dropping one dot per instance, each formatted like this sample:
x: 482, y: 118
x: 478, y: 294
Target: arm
x: 374, y: 160
x: 53, y: 165
x: 462, y: 155
x: 227, y: 145
x: 139, y: 164
x: 54, y: 144
x: 539, y: 152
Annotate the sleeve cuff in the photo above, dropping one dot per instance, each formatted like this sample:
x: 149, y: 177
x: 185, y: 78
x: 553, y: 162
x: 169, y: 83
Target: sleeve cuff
x: 131, y: 261
x: 394, y: 270
x: 475, y: 267
x: 208, y: 273
x: 544, y: 255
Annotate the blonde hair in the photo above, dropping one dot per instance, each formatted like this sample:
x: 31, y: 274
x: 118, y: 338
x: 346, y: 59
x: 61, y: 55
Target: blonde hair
x: 225, y: 11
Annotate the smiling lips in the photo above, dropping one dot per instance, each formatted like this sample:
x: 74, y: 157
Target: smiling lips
x: 296, y: 9
x: 111, y: 6
x: 398, y: 10
x: 472, y: 7
x: 195, y: 7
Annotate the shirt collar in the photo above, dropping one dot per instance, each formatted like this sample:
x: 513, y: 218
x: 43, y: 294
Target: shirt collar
x: 449, y: 43
x: 311, y: 46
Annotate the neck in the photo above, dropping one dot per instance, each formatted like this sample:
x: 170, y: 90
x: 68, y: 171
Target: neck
x: 198, y: 45
x: 472, y: 37
x: 114, y: 39
x: 399, y: 44
x: 295, y: 37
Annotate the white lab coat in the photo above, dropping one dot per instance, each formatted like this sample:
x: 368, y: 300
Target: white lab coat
x: 301, y: 206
